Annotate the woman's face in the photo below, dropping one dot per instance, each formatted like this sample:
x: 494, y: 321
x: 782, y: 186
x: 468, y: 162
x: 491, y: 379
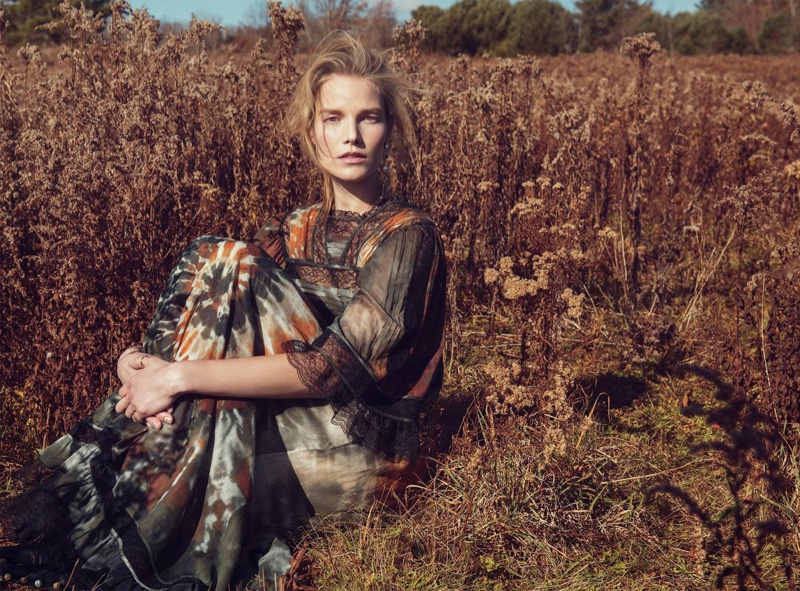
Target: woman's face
x: 350, y: 129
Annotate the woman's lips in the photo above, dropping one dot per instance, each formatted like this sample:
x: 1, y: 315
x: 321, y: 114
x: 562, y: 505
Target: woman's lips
x: 353, y: 157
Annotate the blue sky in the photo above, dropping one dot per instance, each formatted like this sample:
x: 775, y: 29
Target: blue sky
x: 235, y: 12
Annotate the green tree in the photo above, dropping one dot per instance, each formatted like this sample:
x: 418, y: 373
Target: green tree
x: 780, y: 33
x: 749, y: 16
x: 605, y: 23
x: 704, y: 32
x: 488, y: 25
x: 542, y: 27
x: 433, y: 19
x: 476, y: 27
x: 26, y: 15
x: 701, y: 32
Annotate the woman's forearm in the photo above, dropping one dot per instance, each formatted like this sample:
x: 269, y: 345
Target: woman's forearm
x: 270, y: 376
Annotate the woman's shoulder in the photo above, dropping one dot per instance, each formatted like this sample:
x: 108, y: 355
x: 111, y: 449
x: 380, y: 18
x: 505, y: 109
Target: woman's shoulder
x: 401, y: 213
x: 305, y: 210
x: 398, y: 220
x: 297, y: 216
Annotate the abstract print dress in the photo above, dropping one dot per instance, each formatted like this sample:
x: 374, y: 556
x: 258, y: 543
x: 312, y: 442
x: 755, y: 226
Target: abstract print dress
x: 358, y: 307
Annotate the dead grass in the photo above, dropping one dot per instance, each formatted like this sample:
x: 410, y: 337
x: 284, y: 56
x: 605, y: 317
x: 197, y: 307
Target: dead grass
x: 620, y: 409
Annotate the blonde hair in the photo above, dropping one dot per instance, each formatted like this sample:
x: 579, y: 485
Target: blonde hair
x: 341, y: 54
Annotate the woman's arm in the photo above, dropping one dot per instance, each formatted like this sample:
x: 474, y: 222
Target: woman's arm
x: 383, y: 320
x: 158, y: 384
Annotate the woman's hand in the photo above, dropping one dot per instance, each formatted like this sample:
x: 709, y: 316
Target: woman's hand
x: 124, y: 371
x: 127, y: 367
x: 150, y: 391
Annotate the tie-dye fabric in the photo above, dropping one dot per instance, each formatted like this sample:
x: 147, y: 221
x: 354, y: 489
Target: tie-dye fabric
x: 195, y: 505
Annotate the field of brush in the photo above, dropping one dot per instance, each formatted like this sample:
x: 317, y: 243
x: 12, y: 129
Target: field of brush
x: 623, y: 237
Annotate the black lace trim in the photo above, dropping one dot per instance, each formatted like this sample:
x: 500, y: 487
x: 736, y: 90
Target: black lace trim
x: 363, y: 231
x: 37, y: 522
x: 36, y: 515
x: 341, y: 228
x: 339, y: 233
x: 38, y: 525
x: 323, y: 275
x: 357, y: 215
x: 383, y: 424
x: 364, y: 224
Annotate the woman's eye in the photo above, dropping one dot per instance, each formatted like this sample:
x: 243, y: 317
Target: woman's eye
x: 330, y: 119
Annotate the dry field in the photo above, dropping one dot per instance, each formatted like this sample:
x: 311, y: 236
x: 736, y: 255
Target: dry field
x: 623, y: 235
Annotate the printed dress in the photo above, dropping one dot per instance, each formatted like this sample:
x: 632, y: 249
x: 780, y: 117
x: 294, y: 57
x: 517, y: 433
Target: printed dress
x: 358, y: 307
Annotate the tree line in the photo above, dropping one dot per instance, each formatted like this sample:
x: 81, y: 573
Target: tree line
x: 545, y: 27
x: 505, y: 28
x: 26, y: 19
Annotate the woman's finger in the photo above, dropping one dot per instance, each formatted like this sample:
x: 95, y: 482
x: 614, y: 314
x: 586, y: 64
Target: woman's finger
x: 138, y: 361
x: 165, y: 417
x: 122, y: 405
x: 154, y: 423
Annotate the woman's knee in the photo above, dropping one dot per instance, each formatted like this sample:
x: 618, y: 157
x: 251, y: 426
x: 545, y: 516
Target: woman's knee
x: 202, y: 246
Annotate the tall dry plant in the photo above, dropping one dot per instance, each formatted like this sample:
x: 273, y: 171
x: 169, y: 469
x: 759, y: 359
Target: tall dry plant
x: 116, y: 157
x: 578, y: 171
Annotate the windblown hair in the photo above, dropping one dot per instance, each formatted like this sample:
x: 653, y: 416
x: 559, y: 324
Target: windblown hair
x: 340, y: 53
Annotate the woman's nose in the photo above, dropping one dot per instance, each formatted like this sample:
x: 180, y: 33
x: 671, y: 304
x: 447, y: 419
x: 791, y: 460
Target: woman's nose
x: 353, y: 134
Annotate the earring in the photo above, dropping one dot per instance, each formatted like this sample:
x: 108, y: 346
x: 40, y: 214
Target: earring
x: 386, y: 147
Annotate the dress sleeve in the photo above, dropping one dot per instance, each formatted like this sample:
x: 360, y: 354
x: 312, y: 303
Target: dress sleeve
x: 381, y: 358
x: 269, y: 238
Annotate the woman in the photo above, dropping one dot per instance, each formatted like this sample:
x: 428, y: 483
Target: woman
x: 278, y: 382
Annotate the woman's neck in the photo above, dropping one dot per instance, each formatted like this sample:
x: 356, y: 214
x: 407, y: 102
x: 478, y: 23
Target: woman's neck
x: 357, y: 197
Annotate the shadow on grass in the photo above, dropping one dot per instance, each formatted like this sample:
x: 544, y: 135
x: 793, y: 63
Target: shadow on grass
x: 750, y: 528
x: 599, y: 395
x: 443, y: 422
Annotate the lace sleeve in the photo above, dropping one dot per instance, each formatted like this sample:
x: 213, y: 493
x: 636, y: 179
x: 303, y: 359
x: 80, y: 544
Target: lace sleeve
x: 327, y: 367
x: 382, y: 424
